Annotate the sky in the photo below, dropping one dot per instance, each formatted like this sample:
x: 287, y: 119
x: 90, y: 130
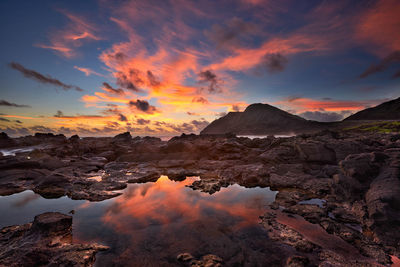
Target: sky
x: 162, y: 68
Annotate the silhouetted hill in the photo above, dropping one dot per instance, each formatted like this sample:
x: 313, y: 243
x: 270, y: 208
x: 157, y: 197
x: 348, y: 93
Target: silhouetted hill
x: 260, y: 119
x: 389, y: 110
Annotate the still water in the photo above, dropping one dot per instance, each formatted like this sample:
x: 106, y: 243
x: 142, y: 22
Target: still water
x: 151, y: 223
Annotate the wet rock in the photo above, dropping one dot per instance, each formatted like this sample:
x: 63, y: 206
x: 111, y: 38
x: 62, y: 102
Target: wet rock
x: 208, y: 186
x: 209, y: 260
x: 297, y: 261
x: 52, y: 186
x: 46, y: 241
x: 185, y: 257
x: 311, y: 213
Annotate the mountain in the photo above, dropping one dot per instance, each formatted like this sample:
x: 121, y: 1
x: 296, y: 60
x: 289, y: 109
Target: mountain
x: 386, y: 111
x: 261, y: 119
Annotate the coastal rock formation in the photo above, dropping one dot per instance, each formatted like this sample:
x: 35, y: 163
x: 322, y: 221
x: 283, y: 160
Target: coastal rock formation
x: 264, y: 119
x: 346, y: 183
x: 261, y: 119
x: 47, y: 241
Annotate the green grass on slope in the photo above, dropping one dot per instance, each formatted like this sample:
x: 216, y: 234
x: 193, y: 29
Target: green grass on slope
x: 380, y: 127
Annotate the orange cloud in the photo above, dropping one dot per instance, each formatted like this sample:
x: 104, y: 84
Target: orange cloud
x: 380, y: 26
x: 300, y: 104
x: 65, y: 41
x: 87, y: 71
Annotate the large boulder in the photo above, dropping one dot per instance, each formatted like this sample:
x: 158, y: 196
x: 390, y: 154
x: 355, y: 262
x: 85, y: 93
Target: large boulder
x: 315, y: 152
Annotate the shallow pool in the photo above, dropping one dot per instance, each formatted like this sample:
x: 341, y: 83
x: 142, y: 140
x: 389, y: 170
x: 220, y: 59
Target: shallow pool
x: 151, y: 223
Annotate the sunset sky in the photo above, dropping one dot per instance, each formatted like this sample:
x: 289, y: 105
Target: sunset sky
x: 101, y: 67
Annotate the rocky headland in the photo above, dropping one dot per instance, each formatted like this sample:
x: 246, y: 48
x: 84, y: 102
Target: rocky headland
x: 338, y: 201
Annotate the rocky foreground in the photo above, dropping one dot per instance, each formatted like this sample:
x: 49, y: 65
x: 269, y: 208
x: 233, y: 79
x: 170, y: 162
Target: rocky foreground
x: 45, y: 242
x: 339, y: 192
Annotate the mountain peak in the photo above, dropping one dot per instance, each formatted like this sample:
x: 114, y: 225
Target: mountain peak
x: 389, y: 110
x: 258, y: 118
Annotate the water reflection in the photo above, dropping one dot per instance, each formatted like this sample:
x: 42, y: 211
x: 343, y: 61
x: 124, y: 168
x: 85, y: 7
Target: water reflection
x: 151, y: 223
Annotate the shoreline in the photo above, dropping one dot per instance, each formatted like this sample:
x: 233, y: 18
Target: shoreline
x: 353, y: 175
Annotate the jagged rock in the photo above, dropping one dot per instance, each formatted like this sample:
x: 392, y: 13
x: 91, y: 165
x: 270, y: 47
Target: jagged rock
x: 316, y: 152
x: 46, y: 241
x: 209, y: 260
x: 123, y: 137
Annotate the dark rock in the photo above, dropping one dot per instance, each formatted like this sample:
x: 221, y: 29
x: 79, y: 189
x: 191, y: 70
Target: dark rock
x: 316, y: 152
x: 297, y: 261
x: 46, y: 241
x: 123, y: 137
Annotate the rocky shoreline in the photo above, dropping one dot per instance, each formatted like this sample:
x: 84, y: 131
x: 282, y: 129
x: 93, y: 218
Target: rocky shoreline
x: 47, y: 241
x: 347, y: 184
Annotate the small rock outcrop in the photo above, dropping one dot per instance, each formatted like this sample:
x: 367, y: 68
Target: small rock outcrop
x: 47, y: 241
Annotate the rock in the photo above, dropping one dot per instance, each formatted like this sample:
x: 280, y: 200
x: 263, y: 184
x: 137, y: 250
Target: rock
x: 277, y: 154
x: 208, y: 186
x: 360, y: 166
x: 6, y: 141
x: 51, y: 223
x: 74, y: 138
x: 209, y: 260
x: 297, y: 261
x: 123, y: 137
x: 52, y: 186
x: 46, y: 241
x: 316, y: 152
x: 185, y: 257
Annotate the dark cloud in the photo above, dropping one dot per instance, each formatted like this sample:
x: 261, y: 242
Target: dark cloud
x: 396, y: 75
x: 192, y: 113
x: 233, y: 33
x: 107, y: 87
x: 142, y: 105
x: 113, y: 109
x: 200, y: 124
x: 324, y: 116
x: 9, y: 104
x: 153, y: 81
x: 122, y: 117
x: 18, y: 121
x: 120, y: 56
x: 159, y: 123
x: 235, y: 108
x: 41, y: 129
x: 383, y: 65
x: 148, y: 129
x: 292, y: 98
x: 210, y: 78
x: 64, y: 130
x: 15, y: 131
x: 142, y: 121
x: 273, y: 63
x: 4, y: 119
x: 42, y: 78
x: 132, y: 81
x: 60, y: 114
x: 199, y: 99
x: 189, y: 127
